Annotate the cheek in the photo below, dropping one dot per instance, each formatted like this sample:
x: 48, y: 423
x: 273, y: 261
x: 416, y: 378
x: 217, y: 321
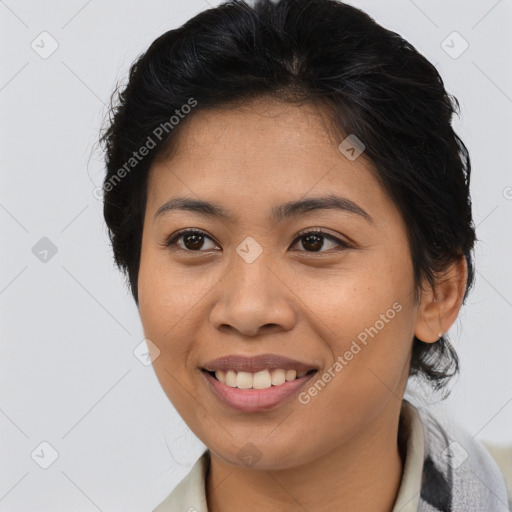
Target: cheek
x: 368, y: 338
x: 355, y: 297
x: 163, y: 307
x: 168, y: 294
x: 366, y: 318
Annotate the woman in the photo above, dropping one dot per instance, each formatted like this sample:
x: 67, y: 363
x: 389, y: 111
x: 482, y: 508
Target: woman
x: 291, y: 206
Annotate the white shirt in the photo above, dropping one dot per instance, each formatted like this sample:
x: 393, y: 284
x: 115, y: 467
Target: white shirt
x: 190, y: 496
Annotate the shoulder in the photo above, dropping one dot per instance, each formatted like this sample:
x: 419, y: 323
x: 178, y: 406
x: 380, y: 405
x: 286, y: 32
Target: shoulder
x: 459, y: 474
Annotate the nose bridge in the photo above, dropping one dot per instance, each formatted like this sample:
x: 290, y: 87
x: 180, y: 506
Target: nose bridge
x: 252, y: 296
x: 252, y: 278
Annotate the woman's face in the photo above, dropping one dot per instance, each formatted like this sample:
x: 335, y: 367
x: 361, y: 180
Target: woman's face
x: 257, y: 284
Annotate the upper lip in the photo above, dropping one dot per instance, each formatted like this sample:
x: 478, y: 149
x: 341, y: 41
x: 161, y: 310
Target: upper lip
x: 252, y: 364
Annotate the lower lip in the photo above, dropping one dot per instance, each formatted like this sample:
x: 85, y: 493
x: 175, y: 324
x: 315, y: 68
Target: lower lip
x: 254, y: 400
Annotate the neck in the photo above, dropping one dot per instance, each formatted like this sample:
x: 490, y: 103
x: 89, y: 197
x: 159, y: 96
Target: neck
x: 362, y: 473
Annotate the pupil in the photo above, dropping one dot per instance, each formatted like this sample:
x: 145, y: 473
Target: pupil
x: 317, y: 242
x: 197, y: 241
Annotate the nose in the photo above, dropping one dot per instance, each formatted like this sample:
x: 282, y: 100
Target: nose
x: 254, y: 298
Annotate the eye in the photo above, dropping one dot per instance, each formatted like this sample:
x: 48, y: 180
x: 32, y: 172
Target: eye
x: 312, y: 241
x: 192, y: 240
x: 315, y: 241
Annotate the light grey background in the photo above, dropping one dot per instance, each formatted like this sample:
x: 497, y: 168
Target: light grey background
x: 69, y: 326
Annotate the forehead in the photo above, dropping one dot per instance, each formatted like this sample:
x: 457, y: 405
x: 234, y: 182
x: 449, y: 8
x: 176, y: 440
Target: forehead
x: 264, y: 151
x: 253, y: 128
x: 263, y: 138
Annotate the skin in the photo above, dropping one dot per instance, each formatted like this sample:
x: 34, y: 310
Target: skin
x: 339, y: 451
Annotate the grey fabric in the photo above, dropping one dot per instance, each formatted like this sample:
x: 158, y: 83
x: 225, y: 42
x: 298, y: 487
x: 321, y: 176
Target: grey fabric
x: 459, y: 474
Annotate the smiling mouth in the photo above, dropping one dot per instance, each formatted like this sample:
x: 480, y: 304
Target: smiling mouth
x: 256, y: 392
x: 264, y: 379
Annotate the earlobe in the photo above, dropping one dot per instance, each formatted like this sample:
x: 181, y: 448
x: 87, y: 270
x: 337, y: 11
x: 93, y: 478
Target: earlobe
x: 440, y: 306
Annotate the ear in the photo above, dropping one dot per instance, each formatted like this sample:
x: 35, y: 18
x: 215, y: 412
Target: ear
x: 439, y: 306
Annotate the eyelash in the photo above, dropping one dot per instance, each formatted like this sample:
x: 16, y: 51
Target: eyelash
x: 344, y: 245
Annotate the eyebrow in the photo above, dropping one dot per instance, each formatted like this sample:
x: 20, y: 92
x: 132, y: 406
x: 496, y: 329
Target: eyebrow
x: 279, y: 212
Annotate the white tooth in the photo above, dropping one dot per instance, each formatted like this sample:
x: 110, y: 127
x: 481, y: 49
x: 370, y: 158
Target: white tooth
x: 290, y: 375
x: 230, y: 379
x: 244, y: 380
x: 261, y: 380
x: 278, y: 377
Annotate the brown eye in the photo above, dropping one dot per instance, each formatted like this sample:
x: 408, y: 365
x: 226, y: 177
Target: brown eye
x: 313, y: 241
x: 191, y: 241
